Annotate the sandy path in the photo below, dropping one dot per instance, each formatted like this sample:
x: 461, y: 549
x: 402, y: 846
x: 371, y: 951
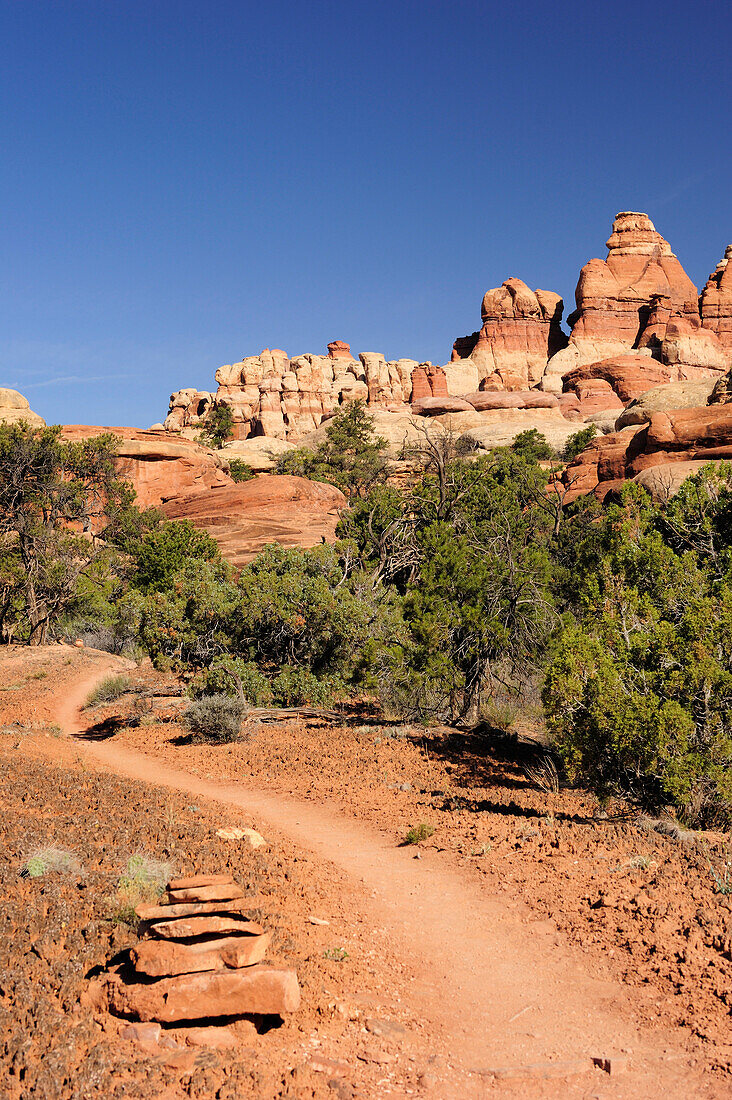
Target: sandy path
x: 504, y: 992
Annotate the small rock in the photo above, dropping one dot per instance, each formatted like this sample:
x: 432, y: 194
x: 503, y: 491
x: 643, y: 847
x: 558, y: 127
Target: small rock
x: 318, y: 920
x: 251, y: 836
x: 319, y: 1064
x: 199, y: 880
x: 184, y: 927
x: 389, y: 1028
x: 215, y: 1038
x: 141, y: 1033
x: 379, y: 1057
x: 343, y: 1089
x: 613, y: 1066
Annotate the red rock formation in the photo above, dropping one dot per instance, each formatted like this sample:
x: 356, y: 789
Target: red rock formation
x: 428, y: 381
x: 640, y: 281
x: 679, y: 436
x: 521, y: 329
x: 337, y: 349
x: 611, y: 383
x: 244, y: 518
x: 715, y: 303
x: 160, y: 468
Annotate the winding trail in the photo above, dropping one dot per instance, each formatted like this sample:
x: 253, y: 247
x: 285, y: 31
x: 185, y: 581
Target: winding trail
x: 504, y: 992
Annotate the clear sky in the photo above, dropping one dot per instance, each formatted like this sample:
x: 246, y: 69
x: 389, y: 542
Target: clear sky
x: 185, y: 182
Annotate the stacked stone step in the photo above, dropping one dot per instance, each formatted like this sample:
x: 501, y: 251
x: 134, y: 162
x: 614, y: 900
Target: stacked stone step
x: 201, y: 958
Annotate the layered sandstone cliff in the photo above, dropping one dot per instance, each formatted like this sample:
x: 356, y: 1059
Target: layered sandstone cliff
x: 639, y: 323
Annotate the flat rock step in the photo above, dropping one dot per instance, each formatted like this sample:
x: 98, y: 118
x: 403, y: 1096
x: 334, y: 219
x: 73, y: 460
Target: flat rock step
x: 165, y: 958
x: 196, y: 908
x: 254, y: 990
x: 194, y: 881
x: 215, y: 892
x: 203, y: 926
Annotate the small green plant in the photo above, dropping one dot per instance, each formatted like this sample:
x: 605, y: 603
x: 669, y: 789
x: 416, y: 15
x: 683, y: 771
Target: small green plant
x: 721, y: 873
x: 40, y: 675
x: 640, y: 863
x: 143, y: 879
x: 335, y: 954
x: 49, y: 860
x: 240, y: 470
x: 218, y: 425
x: 418, y: 833
x: 111, y: 688
x: 216, y: 718
x: 577, y: 443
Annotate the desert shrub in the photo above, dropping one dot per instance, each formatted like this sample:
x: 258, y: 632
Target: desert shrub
x: 51, y: 492
x: 215, y: 718
x: 190, y: 622
x: 294, y: 687
x: 143, y: 879
x: 235, y: 677
x: 638, y: 696
x: 576, y: 443
x: 49, y: 860
x: 301, y: 608
x: 532, y: 446
x: 241, y: 470
x: 167, y: 549
x: 218, y: 425
x: 418, y: 833
x: 111, y: 688
x: 351, y: 456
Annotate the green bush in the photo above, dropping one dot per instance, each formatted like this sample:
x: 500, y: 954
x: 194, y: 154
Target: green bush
x: 418, y: 833
x: 293, y: 687
x: 240, y: 470
x: 235, y: 677
x: 532, y: 446
x: 111, y: 688
x: 577, y: 443
x: 638, y: 696
x: 218, y: 425
x: 215, y: 718
x: 351, y: 456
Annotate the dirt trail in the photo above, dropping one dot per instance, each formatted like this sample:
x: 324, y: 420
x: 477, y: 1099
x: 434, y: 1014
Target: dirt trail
x: 503, y: 991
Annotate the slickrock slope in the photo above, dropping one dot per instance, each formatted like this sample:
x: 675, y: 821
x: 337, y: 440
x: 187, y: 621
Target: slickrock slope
x: 160, y: 467
x: 243, y: 519
x: 14, y: 407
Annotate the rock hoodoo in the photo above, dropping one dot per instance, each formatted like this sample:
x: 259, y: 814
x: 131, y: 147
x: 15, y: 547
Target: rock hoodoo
x: 521, y: 330
x: 715, y: 303
x: 637, y: 298
x: 270, y: 394
x: 639, y: 323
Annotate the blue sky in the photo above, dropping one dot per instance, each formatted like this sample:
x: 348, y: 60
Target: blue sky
x: 184, y: 183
